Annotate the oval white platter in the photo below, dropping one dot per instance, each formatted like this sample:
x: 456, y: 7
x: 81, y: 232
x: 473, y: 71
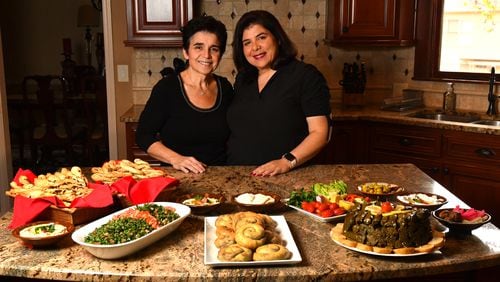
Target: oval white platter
x: 123, y: 249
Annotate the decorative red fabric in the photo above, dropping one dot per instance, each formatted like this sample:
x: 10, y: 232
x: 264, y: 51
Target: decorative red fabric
x: 27, y: 209
x: 143, y: 191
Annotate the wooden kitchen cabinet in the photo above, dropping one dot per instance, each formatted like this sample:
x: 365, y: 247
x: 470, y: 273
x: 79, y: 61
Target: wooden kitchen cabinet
x: 468, y: 164
x: 346, y: 146
x: 371, y: 22
x: 157, y: 23
x: 133, y: 151
x: 472, y: 169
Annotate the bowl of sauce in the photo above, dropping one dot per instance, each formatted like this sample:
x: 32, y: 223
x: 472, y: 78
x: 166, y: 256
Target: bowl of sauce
x: 201, y: 203
x: 258, y: 201
x: 43, y: 233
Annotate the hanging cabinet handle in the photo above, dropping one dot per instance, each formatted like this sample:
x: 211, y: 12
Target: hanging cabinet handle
x: 405, y: 141
x: 485, y: 152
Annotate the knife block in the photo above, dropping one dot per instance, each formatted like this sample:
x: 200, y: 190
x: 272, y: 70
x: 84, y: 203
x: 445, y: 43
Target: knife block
x: 353, y: 99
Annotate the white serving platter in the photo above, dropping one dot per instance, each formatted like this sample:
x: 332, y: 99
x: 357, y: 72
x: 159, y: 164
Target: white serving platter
x: 383, y: 255
x: 120, y: 250
x: 317, y: 217
x: 211, y: 250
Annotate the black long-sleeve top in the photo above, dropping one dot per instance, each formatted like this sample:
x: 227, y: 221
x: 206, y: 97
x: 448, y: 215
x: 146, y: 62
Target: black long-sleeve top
x: 170, y: 117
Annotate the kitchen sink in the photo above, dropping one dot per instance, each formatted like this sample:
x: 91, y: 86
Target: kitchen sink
x: 487, y: 122
x: 457, y: 117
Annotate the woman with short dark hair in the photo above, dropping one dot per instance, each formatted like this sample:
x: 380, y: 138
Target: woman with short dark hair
x: 280, y: 115
x: 184, y: 121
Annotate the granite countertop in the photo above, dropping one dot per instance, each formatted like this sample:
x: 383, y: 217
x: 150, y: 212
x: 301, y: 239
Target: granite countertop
x: 180, y: 255
x: 373, y: 113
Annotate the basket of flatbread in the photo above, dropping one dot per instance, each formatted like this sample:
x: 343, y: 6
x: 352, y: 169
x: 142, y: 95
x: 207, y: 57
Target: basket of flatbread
x: 113, y: 170
x: 65, y: 184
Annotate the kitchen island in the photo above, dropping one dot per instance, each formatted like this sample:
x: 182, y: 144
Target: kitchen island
x: 180, y: 255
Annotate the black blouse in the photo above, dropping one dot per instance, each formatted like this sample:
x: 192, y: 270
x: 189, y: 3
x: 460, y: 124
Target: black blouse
x: 266, y: 125
x: 169, y: 116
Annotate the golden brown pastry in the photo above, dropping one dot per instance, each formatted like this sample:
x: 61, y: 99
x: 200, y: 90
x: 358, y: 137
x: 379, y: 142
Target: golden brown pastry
x: 380, y: 250
x: 234, y: 252
x: 250, y: 236
x: 225, y: 220
x: 269, y: 222
x: 222, y: 241
x: 272, y: 237
x: 404, y: 251
x: 224, y: 231
x: 244, y: 218
x: 272, y: 252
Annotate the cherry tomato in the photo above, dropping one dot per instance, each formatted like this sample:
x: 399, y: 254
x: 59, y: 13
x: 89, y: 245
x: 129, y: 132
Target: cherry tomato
x: 338, y: 211
x: 307, y: 206
x: 333, y: 206
x: 316, y: 204
x: 351, y: 197
x: 386, y: 207
x: 367, y: 199
x: 327, y: 213
x: 322, y: 207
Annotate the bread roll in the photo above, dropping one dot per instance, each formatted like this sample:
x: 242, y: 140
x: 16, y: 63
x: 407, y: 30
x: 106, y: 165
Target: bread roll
x: 380, y: 250
x: 224, y: 231
x: 273, y: 238
x: 234, y: 252
x: 225, y: 220
x: 404, y: 251
x: 250, y: 236
x: 364, y: 247
x: 349, y: 243
x: 427, y: 248
x: 271, y: 252
x: 248, y: 218
x: 222, y: 241
x: 437, y: 242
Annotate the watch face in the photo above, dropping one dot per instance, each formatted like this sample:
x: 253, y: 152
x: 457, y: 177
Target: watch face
x: 289, y: 157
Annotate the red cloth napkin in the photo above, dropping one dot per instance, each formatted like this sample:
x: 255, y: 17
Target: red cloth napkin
x: 27, y: 209
x: 142, y: 191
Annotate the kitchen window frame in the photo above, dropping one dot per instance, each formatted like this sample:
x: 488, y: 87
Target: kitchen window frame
x: 429, y: 16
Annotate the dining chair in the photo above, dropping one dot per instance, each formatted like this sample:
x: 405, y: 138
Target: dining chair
x: 93, y: 91
x: 50, y: 126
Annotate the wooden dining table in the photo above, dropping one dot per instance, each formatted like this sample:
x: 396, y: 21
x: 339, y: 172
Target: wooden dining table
x: 181, y: 255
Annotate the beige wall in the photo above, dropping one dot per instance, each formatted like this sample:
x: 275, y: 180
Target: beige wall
x: 389, y: 69
x: 121, y: 56
x: 387, y: 66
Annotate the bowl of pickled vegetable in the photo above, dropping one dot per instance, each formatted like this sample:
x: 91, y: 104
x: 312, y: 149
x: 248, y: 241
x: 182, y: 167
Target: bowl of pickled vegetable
x: 461, y: 220
x: 129, y: 230
x: 202, y: 203
x: 380, y: 189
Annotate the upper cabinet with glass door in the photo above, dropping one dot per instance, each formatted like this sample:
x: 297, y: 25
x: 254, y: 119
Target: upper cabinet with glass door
x: 457, y: 39
x: 370, y: 22
x: 157, y: 23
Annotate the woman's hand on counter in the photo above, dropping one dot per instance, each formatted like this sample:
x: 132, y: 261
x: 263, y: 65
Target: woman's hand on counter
x: 188, y: 164
x: 272, y: 168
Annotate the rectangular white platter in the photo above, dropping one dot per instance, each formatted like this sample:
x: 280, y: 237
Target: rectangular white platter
x: 317, y: 217
x: 211, y: 250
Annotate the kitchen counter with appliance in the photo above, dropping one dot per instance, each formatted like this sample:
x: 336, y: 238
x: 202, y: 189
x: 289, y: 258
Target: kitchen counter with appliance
x: 373, y: 113
x: 180, y: 255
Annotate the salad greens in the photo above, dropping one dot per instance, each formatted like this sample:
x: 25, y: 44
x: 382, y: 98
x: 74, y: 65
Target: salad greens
x: 336, y: 187
x: 297, y: 197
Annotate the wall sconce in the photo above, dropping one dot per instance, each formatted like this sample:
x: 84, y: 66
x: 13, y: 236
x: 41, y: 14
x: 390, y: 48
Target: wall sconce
x: 88, y: 17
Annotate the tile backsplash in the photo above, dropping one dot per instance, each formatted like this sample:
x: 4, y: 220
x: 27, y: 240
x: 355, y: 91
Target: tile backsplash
x: 389, y: 70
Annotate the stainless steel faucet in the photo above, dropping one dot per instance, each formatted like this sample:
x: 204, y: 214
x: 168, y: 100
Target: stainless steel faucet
x: 492, y: 110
